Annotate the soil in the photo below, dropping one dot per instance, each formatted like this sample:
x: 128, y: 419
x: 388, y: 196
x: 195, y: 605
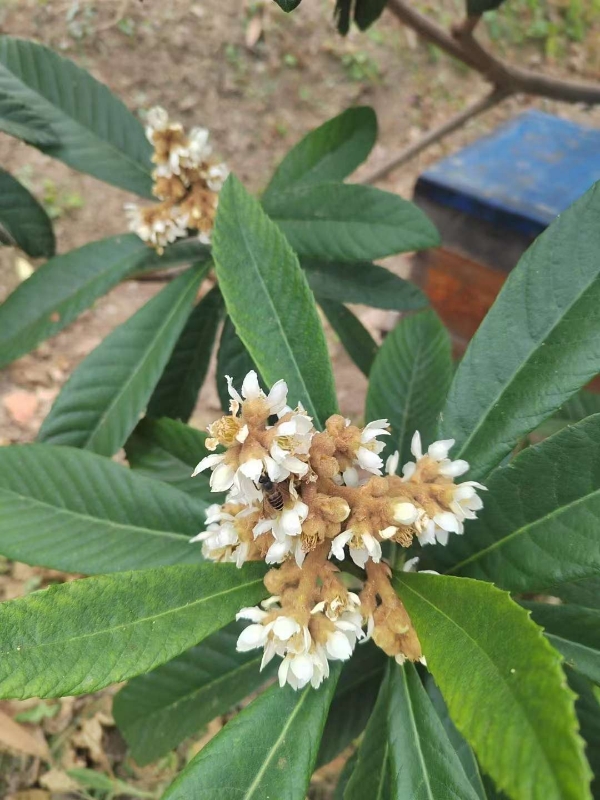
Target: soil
x: 259, y: 80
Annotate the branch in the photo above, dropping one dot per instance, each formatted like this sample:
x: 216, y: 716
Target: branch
x: 461, y: 44
x: 492, y: 99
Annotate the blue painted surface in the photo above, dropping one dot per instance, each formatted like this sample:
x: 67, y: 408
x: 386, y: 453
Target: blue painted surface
x: 522, y: 175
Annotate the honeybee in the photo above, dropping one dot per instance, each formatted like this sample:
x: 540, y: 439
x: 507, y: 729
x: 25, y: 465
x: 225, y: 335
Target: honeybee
x: 272, y: 494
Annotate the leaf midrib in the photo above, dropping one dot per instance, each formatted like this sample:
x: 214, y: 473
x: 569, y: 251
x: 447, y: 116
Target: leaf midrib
x: 276, y: 316
x: 417, y: 736
x: 29, y: 89
x: 273, y: 749
x: 500, y: 681
x: 508, y: 384
x: 523, y: 530
x: 125, y: 625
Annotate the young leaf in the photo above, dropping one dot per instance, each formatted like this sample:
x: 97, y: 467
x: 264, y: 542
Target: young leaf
x: 331, y: 152
x: 353, y: 701
x: 362, y: 282
x: 132, y: 622
x: 503, y: 685
x: 23, y: 221
x: 366, y: 12
x: 349, y: 222
x: 539, y: 525
x: 157, y: 711
x: 176, y: 392
x: 410, y: 379
x: 63, y: 287
x: 371, y: 776
x: 357, y: 341
x: 168, y: 451
x: 96, y: 133
x: 422, y: 761
x: 102, y: 401
x: 72, y: 510
x: 269, y: 301
x: 274, y: 743
x: 575, y: 632
x: 536, y: 347
x: 232, y: 359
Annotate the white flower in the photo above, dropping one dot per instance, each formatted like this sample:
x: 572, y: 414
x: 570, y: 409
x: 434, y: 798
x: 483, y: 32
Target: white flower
x: 276, y: 399
x: 158, y: 230
x: 292, y: 438
x: 362, y: 547
x: 391, y: 465
x: 412, y: 564
x: 215, y: 176
x: 220, y: 541
x: 367, y: 455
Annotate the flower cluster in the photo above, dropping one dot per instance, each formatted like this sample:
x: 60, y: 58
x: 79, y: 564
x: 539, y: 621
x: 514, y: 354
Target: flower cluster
x: 186, y: 181
x: 305, y: 499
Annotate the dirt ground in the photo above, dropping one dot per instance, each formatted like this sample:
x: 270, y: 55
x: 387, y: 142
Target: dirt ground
x: 259, y: 80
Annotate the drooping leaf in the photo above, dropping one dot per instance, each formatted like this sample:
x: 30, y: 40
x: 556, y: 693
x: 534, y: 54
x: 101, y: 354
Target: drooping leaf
x: 133, y: 622
x: 176, y: 392
x: 423, y: 763
x: 288, y: 5
x: 587, y: 707
x: 575, y: 632
x: 157, y: 711
x: 371, y: 775
x: 409, y: 380
x: 475, y: 7
x: 331, y: 152
x: 539, y: 525
x: 342, y: 15
x: 537, y: 345
x: 232, y: 359
x: 353, y: 701
x: 463, y: 751
x: 349, y: 222
x: 102, y: 401
x: 357, y: 341
x: 96, y: 133
x: 23, y: 221
x: 169, y: 451
x: 345, y: 775
x: 63, y: 287
x: 17, y: 119
x: 366, y: 12
x: 362, y: 282
x: 270, y: 303
x: 75, y: 511
x: 274, y: 743
x: 502, y: 683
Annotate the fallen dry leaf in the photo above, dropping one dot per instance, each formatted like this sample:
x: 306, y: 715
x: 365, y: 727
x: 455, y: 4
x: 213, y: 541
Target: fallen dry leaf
x: 16, y: 737
x: 21, y: 406
x: 30, y: 794
x: 58, y: 781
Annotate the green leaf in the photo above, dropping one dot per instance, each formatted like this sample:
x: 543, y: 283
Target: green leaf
x: 463, y: 751
x: 176, y: 393
x: 232, y: 359
x: 349, y: 222
x: 331, y: 152
x: 585, y: 592
x: 410, y: 379
x: 23, y: 221
x: 345, y: 776
x: 269, y: 301
x: 539, y: 525
x: 81, y: 636
x: 353, y: 701
x: 169, y: 451
x: 157, y: 711
x: 371, y: 776
x: 273, y: 744
x: 575, y: 632
x: 366, y: 12
x: 537, y: 345
x: 96, y: 133
x: 587, y: 707
x: 580, y: 406
x: 503, y: 685
x: 78, y: 512
x: 422, y: 761
x: 288, y: 5
x: 63, y: 287
x: 102, y: 401
x: 362, y: 282
x: 20, y: 121
x: 357, y: 341
x: 342, y: 15
x: 476, y: 7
